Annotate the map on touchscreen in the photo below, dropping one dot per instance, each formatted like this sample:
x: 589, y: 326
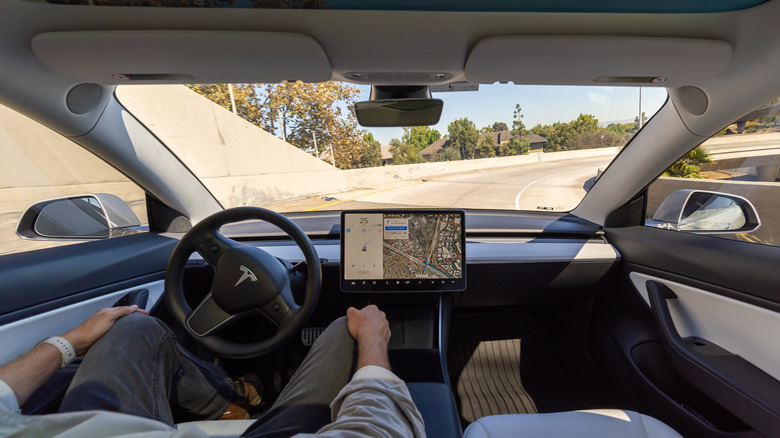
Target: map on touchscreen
x: 403, y: 245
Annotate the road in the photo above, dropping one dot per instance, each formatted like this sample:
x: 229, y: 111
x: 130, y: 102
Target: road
x: 555, y: 186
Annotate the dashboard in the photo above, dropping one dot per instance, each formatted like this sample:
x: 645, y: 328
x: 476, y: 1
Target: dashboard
x: 509, y: 257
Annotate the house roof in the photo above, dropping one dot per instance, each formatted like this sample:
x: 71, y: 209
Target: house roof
x: 435, y: 147
x: 386, y: 154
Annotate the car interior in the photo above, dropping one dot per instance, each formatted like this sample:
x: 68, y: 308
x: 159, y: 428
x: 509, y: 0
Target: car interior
x: 570, y: 321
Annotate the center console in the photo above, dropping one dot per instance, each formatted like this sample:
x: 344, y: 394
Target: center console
x: 408, y: 262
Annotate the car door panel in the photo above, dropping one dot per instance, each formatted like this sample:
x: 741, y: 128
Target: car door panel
x: 63, y: 286
x: 732, y: 381
x: 738, y: 327
x: 52, y: 278
x: 27, y: 332
x: 715, y: 310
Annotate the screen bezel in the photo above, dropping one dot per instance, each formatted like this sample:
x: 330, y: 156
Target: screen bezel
x: 382, y: 285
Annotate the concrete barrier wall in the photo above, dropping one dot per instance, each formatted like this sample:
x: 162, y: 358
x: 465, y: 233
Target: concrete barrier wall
x: 269, y: 188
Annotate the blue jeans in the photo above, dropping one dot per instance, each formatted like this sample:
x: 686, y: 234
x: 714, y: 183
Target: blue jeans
x: 138, y: 368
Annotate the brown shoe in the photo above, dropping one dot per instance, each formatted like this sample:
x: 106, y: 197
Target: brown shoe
x: 246, y: 397
x: 235, y: 412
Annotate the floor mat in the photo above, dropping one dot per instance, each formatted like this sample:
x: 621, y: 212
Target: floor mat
x: 489, y: 379
x: 504, y: 363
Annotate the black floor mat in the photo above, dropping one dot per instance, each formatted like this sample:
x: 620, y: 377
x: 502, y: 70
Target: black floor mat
x: 504, y: 363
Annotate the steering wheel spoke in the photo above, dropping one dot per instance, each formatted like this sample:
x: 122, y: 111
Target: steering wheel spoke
x: 207, y: 317
x: 212, y: 248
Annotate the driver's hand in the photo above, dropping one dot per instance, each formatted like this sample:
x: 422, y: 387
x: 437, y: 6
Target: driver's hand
x: 88, y: 332
x: 368, y: 324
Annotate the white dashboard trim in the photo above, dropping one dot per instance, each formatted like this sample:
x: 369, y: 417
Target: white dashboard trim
x: 483, y: 251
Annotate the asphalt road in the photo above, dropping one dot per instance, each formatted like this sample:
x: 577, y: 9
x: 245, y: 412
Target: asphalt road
x: 551, y: 186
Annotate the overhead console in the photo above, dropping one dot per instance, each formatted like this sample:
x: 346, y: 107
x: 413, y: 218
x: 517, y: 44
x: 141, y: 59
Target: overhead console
x: 403, y: 251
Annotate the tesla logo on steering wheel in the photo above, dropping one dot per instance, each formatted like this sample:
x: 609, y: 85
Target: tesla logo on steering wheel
x: 246, y: 273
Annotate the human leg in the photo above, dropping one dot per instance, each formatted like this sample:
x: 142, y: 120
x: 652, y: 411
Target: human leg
x: 304, y: 404
x: 138, y: 368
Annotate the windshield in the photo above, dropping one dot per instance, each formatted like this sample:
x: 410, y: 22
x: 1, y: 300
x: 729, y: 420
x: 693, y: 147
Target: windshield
x: 297, y: 147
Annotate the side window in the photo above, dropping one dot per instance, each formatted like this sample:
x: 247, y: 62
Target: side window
x: 728, y: 185
x: 72, y: 191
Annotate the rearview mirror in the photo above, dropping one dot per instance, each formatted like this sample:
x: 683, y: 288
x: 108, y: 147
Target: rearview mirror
x: 399, y: 112
x: 399, y: 105
x: 706, y: 212
x: 93, y: 216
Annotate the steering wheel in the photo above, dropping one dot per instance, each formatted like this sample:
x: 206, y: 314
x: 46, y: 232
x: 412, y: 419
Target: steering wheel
x: 247, y: 281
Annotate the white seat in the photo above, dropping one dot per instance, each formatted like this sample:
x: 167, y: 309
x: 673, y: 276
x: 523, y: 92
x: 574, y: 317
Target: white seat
x: 601, y: 423
x: 219, y: 428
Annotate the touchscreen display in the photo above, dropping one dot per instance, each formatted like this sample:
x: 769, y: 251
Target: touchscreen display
x: 402, y: 250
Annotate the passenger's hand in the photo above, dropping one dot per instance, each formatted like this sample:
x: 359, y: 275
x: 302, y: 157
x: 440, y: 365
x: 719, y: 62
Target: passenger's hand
x: 88, y: 332
x: 369, y: 323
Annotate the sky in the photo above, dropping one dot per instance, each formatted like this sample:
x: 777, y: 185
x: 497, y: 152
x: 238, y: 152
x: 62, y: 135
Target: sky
x: 539, y: 103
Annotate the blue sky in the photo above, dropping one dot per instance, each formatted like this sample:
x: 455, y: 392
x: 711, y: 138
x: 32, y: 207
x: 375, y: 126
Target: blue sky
x: 540, y: 104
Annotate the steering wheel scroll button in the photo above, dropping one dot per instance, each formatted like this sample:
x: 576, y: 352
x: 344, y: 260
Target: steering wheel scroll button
x: 276, y: 309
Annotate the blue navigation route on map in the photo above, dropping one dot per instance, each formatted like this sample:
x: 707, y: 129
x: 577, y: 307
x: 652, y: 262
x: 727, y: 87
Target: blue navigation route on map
x: 422, y: 245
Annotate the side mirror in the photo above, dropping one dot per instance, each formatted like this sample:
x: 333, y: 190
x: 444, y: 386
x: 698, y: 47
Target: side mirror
x: 93, y: 216
x: 706, y: 212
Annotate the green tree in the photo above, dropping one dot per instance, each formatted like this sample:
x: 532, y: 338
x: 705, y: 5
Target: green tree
x: 420, y: 137
x: 372, y: 153
x: 500, y: 126
x: 299, y: 112
x: 602, y: 138
x: 487, y: 147
x: 518, y: 127
x: 451, y: 154
x: 404, y: 153
x: 689, y: 166
x: 559, y: 135
x: 518, y: 146
x: 463, y: 136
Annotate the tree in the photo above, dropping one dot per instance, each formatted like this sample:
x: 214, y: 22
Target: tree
x: 602, y: 138
x: 518, y: 127
x: 404, y: 153
x: 452, y: 154
x: 463, y: 137
x: 559, y: 135
x: 500, y: 126
x: 299, y: 111
x: 372, y: 155
x: 415, y: 138
x: 420, y: 137
x: 519, y: 146
x: 487, y: 147
x: 689, y: 166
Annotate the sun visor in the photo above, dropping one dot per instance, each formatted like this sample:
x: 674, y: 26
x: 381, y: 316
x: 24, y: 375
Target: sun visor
x: 161, y: 57
x: 578, y: 60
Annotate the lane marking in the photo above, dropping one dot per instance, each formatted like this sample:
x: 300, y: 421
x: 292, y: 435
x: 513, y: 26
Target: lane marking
x: 517, y: 198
